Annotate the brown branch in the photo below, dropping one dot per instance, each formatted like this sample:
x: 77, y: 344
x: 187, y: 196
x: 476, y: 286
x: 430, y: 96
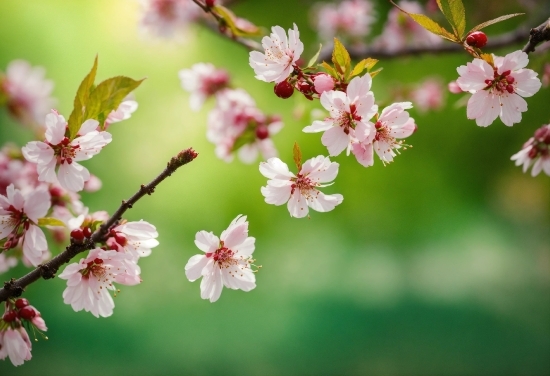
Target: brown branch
x: 538, y: 35
x: 504, y: 40
x: 14, y: 288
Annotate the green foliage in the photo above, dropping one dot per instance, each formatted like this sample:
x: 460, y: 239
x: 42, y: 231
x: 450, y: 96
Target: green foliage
x: 494, y: 21
x: 341, y: 58
x: 313, y: 60
x: 367, y: 64
x: 49, y: 221
x: 454, y: 13
x: 229, y: 18
x: 96, y: 102
x: 297, y: 154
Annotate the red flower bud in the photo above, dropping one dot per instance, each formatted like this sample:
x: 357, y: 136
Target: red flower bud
x: 283, y: 89
x: 477, y: 39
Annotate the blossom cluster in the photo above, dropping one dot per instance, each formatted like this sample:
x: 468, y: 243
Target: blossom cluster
x: 535, y: 152
x: 235, y: 124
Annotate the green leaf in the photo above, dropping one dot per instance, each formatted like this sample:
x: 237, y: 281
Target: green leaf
x: 80, y: 101
x: 430, y: 25
x: 453, y: 10
x: 494, y: 21
x: 247, y: 137
x: 297, y: 153
x: 229, y: 18
x: 313, y: 60
x: 362, y: 65
x: 330, y: 70
x: 49, y: 221
x: 374, y: 73
x: 340, y: 58
x: 107, y: 96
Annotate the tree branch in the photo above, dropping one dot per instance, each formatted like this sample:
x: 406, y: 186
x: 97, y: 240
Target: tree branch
x: 14, y: 288
x: 538, y: 35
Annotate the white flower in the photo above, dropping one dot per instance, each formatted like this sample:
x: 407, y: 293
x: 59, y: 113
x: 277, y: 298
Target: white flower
x: 28, y: 91
x: 226, y: 261
x: 59, y: 151
x: 281, y: 53
x: 300, y: 191
x: 537, y: 150
x: 124, y: 111
x: 19, y: 216
x: 393, y: 123
x: 202, y: 81
x: 135, y: 238
x: 498, y: 91
x: 89, y: 280
x: 349, y: 116
x: 15, y: 343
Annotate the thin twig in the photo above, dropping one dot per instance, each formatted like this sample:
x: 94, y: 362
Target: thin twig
x: 14, y: 288
x: 538, y: 35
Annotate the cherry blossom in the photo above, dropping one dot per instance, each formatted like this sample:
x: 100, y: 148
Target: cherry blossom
x: 59, y: 151
x: 349, y: 18
x: 401, y: 31
x: 135, y: 238
x: 28, y: 92
x: 202, y: 81
x: 6, y: 262
x: 19, y: 216
x: 537, y: 150
x: 123, y: 112
x: 429, y: 95
x: 89, y: 280
x: 164, y: 17
x: 226, y: 260
x: 300, y: 191
x: 237, y: 124
x: 349, y: 116
x: 498, y: 91
x: 15, y: 343
x: 281, y: 54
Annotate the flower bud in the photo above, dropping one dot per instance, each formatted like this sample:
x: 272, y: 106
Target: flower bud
x: 283, y: 89
x: 477, y: 39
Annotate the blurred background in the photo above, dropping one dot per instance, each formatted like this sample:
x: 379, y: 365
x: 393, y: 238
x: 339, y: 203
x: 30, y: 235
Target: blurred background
x: 437, y: 264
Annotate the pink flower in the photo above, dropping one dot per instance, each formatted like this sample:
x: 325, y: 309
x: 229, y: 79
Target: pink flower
x: 237, y: 121
x: 401, y: 31
x: 19, y: 216
x: 124, y: 111
x: 300, y: 191
x: 15, y: 343
x: 349, y: 116
x: 323, y: 82
x: 537, y: 150
x: 202, y: 81
x: 454, y: 88
x: 498, y: 91
x: 28, y: 92
x: 429, y: 95
x: 281, y: 54
x: 89, y: 280
x: 164, y: 17
x: 6, y: 263
x: 59, y: 151
x: 392, y: 124
x: 226, y: 261
x: 135, y: 238
x: 352, y: 18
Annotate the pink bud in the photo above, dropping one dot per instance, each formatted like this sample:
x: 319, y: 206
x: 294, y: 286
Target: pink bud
x: 323, y: 82
x: 454, y: 88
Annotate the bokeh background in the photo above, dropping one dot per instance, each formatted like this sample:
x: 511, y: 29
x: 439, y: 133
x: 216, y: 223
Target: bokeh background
x: 437, y: 264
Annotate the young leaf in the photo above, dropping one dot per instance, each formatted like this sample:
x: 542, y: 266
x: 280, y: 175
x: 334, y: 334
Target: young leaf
x: 297, y: 156
x: 374, y: 73
x: 313, y: 60
x: 340, y: 58
x: 494, y: 21
x: 362, y: 65
x: 107, y: 96
x: 229, y: 19
x: 430, y: 25
x: 330, y: 70
x: 453, y: 10
x: 488, y: 58
x: 80, y: 101
x: 49, y: 221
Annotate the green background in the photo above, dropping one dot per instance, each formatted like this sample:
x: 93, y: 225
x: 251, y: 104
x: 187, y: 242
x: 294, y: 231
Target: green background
x: 438, y: 263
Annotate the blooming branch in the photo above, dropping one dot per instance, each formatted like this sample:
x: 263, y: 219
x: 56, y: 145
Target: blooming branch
x: 15, y: 288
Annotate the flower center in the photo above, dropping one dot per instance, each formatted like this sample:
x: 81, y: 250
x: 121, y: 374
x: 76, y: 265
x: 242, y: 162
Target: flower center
x: 305, y: 185
x: 20, y: 223
x: 347, y: 120
x: 64, y: 151
x: 501, y: 82
x: 95, y: 268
